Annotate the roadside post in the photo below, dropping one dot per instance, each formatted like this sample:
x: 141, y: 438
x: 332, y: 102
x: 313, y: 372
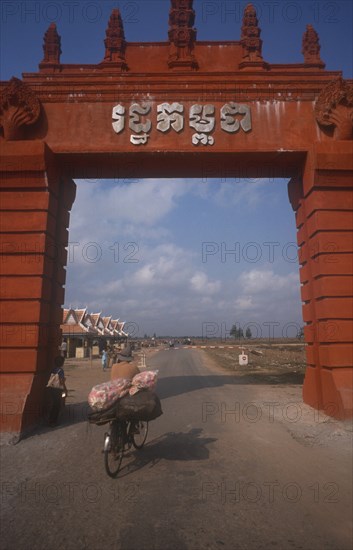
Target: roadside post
x: 142, y: 364
x: 243, y: 359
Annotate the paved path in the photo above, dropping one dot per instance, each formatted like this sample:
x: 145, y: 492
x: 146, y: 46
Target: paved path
x: 229, y: 465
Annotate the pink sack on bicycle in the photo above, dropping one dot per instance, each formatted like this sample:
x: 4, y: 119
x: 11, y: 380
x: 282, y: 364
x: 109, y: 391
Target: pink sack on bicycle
x: 144, y: 381
x: 101, y: 397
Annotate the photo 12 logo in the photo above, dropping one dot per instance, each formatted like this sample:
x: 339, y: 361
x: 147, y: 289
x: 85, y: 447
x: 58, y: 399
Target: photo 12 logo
x: 132, y: 329
x: 93, y: 252
x: 269, y: 492
x: 250, y: 252
x: 66, y: 12
x: 232, y: 11
x: 252, y: 329
x: 67, y: 493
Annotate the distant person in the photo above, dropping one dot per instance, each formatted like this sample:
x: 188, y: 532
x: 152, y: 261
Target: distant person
x: 56, y: 389
x: 63, y: 348
x: 125, y: 354
x: 104, y: 360
x: 112, y: 355
x: 102, y: 346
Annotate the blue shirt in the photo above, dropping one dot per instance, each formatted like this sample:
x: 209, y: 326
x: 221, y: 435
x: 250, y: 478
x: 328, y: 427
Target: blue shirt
x: 59, y: 371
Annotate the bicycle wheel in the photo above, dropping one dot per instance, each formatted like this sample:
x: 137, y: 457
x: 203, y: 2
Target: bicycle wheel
x: 138, y: 439
x: 114, y: 448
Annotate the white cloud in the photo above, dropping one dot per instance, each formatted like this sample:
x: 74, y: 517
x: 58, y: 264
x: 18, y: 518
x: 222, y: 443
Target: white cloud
x: 200, y: 283
x: 146, y: 202
x: 171, y: 267
x: 245, y: 303
x: 266, y: 294
x: 168, y: 285
x: 258, y: 281
x: 249, y: 193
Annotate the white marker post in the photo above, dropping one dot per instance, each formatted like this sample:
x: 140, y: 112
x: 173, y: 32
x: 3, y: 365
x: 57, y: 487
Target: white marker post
x: 243, y: 359
x: 142, y: 364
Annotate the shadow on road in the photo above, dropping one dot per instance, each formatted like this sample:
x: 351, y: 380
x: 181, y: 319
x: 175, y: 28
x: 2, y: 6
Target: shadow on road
x: 72, y: 413
x: 182, y: 446
x: 171, y: 386
x: 177, y: 385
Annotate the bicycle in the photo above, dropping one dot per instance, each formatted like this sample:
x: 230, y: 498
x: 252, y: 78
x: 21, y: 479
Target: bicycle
x: 121, y: 437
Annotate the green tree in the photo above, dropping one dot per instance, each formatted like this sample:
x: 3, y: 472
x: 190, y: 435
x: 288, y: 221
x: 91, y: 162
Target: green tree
x: 236, y: 332
x: 248, y: 333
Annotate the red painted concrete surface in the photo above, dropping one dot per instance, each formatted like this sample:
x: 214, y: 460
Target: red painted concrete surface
x: 70, y: 136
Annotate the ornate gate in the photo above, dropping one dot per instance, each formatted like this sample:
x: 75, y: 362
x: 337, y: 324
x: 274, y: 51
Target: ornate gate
x: 180, y: 108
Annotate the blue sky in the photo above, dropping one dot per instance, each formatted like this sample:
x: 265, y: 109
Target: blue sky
x: 82, y: 25
x: 186, y: 257
x: 181, y: 257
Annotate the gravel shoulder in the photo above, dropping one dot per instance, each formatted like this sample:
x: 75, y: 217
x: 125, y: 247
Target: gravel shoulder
x: 276, y: 377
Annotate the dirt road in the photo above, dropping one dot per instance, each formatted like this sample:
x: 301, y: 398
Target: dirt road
x: 230, y: 465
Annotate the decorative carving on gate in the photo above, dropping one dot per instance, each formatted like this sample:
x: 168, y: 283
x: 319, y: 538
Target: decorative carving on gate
x: 311, y: 48
x: 118, y: 116
x: 182, y: 35
x: 202, y: 119
x: 170, y: 116
x: 51, y: 48
x: 115, y: 43
x: 232, y: 125
x: 140, y: 128
x: 234, y: 117
x: 334, y: 109
x: 19, y: 107
x: 250, y: 39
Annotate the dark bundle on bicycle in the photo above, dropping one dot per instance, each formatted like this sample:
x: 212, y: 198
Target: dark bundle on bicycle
x: 144, y: 405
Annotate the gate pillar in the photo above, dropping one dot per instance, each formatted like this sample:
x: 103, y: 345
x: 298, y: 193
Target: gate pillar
x: 35, y: 201
x: 323, y: 203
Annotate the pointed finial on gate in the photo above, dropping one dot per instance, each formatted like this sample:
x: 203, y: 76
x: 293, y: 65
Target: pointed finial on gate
x: 182, y: 35
x: 51, y: 48
x: 250, y: 39
x: 115, y: 43
x: 311, y: 48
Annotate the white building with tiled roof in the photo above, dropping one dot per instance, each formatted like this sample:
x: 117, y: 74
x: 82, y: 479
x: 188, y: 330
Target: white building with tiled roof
x: 87, y: 333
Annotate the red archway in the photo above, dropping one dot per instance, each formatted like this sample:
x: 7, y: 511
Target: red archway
x: 176, y: 108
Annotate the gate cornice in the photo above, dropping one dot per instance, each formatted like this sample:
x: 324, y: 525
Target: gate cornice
x: 180, y: 95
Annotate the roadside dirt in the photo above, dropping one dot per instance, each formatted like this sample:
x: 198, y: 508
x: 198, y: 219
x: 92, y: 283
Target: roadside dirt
x: 277, y: 377
x: 266, y: 363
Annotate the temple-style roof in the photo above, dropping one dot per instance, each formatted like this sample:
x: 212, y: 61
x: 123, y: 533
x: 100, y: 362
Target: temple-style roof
x: 79, y: 322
